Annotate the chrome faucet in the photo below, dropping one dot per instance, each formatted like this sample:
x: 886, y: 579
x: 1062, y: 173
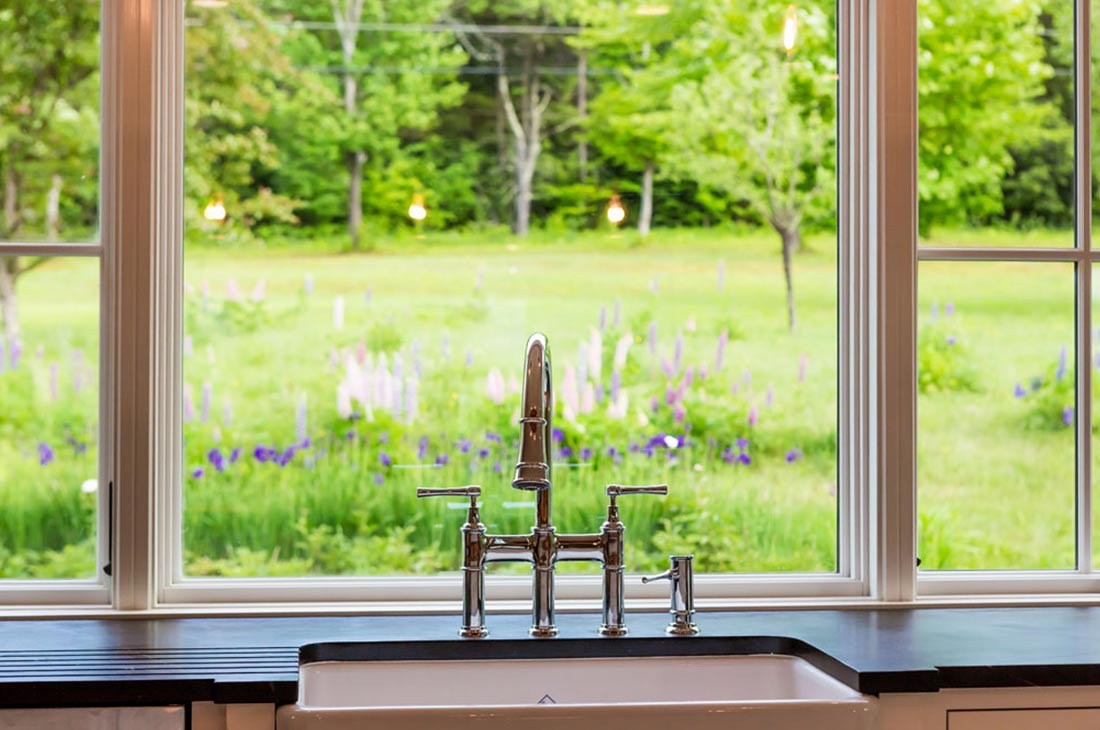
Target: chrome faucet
x: 543, y: 548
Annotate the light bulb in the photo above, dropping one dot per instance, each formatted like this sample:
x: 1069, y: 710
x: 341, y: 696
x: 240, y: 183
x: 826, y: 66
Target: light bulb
x: 215, y: 210
x: 417, y: 211
x: 616, y: 213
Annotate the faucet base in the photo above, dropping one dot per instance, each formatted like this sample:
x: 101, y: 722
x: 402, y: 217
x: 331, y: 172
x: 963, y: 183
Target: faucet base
x: 475, y: 632
x: 607, y: 630
x: 678, y: 629
x: 543, y: 632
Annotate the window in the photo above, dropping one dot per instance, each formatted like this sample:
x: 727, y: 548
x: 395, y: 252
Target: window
x: 51, y: 491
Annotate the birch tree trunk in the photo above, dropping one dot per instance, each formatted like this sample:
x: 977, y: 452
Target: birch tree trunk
x: 645, y: 216
x: 347, y: 14
x: 582, y: 114
x: 9, y: 303
x: 792, y: 241
x: 526, y: 128
x: 53, y: 209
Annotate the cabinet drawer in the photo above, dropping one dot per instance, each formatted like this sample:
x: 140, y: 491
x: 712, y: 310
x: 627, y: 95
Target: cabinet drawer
x: 1038, y: 719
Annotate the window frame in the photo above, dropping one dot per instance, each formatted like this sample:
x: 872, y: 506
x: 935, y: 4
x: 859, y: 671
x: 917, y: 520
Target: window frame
x: 141, y: 340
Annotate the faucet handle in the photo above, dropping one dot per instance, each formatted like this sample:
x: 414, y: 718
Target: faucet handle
x: 472, y: 491
x: 620, y: 490
x: 682, y: 598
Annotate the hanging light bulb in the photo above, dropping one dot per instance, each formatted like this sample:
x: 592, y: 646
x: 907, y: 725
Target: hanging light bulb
x: 616, y: 213
x: 417, y: 211
x: 215, y: 210
x: 790, y: 29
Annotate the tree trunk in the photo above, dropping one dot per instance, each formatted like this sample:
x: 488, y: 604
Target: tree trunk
x: 12, y: 220
x: 526, y: 128
x: 356, y: 161
x: 645, y: 216
x: 9, y: 304
x: 582, y: 113
x: 53, y: 209
x: 792, y: 240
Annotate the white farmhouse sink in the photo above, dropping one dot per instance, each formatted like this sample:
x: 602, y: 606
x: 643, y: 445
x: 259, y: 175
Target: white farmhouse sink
x: 744, y: 692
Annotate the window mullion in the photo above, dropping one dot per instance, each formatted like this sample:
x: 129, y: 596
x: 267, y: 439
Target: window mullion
x: 895, y: 242
x: 1083, y: 217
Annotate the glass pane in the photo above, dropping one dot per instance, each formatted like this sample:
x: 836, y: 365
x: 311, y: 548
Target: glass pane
x: 49, y: 120
x: 49, y: 406
x: 996, y: 442
x: 996, y: 123
x: 337, y: 356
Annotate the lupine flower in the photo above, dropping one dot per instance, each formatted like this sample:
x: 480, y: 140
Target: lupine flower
x: 652, y: 338
x: 1060, y: 373
x: 215, y: 457
x: 55, y: 376
x: 198, y: 474
x: 307, y: 284
x: 679, y: 413
x: 483, y: 452
x: 287, y: 456
x: 384, y: 459
x: 188, y: 405
x: 721, y: 275
x: 769, y: 396
x: 1067, y: 415
x: 742, y: 443
x: 566, y: 451
x: 952, y: 339
x: 338, y: 314
x: 616, y: 385
x: 721, y: 353
x: 746, y: 378
x: 16, y: 353
x: 949, y: 309
x: 671, y: 395
x: 379, y: 479
x: 464, y: 445
x: 588, y: 399
x: 234, y: 455
x: 728, y: 455
x: 622, y: 349
x: 494, y: 386
x: 690, y: 324
x: 1019, y: 391
x: 260, y: 454
x: 586, y: 454
x: 301, y: 418
x: 595, y: 354
x: 678, y: 357
x: 702, y: 372
x: 45, y: 454
x: 494, y: 437
x: 260, y: 291
x: 498, y: 467
x: 442, y: 460
x: 744, y: 458
x: 689, y: 377
x: 570, y: 397
x: 207, y: 397
x: 794, y: 455
x: 654, y: 404
x: 668, y: 368
x: 351, y: 434
x: 603, y: 318
x: 188, y: 346
x: 422, y: 448
x: 754, y: 415
x: 343, y: 400
x: 557, y: 435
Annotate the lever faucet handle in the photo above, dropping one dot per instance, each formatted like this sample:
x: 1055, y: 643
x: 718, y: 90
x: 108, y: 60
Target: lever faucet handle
x: 621, y: 490
x: 472, y: 492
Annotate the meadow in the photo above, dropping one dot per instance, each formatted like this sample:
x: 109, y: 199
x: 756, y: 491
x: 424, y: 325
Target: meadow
x: 321, y: 388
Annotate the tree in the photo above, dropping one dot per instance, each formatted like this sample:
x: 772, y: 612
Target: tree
x: 390, y: 89
x: 49, y: 63
x: 758, y: 123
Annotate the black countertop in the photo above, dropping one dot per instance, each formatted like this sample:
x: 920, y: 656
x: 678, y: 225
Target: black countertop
x: 172, y: 661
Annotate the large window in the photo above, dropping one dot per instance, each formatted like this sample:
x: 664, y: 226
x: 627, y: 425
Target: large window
x: 382, y: 203
x: 50, y: 486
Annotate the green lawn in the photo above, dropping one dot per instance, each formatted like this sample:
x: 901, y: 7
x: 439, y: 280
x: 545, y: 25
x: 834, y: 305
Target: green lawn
x: 996, y: 471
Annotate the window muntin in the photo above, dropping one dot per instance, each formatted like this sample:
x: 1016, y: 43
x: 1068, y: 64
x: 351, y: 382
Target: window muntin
x: 278, y: 346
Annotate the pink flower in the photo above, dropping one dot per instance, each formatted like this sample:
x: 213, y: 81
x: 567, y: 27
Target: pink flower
x: 754, y: 415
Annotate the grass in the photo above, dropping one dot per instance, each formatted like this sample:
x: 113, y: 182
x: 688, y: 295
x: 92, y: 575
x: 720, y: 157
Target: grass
x: 996, y: 489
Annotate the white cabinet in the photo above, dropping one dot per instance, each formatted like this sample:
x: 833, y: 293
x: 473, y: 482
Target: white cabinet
x: 1043, y: 719
x: 94, y: 718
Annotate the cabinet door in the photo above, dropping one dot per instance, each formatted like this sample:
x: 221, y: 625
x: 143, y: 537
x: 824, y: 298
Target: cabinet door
x: 94, y: 718
x: 1062, y: 719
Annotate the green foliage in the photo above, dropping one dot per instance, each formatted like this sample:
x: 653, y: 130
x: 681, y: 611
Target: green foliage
x: 1050, y: 398
x: 944, y: 362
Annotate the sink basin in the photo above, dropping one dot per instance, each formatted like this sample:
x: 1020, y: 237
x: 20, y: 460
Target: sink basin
x: 742, y: 692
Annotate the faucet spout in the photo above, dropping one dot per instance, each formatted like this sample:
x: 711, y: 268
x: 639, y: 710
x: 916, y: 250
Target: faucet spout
x: 533, y: 468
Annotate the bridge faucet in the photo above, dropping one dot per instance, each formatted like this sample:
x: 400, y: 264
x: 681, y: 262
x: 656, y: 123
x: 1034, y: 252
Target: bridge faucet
x: 543, y: 548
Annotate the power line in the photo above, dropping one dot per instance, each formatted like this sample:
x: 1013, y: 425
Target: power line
x: 558, y: 30
x: 453, y: 70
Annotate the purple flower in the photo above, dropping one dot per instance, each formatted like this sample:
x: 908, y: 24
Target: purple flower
x: 557, y: 435
x: 498, y: 467
x: 742, y: 443
x: 351, y: 435
x: 198, y: 474
x: 722, y: 340
x: 744, y: 459
x: 422, y: 448
x: 616, y: 384
x: 442, y: 460
x: 794, y: 455
x: 464, y: 445
x: 678, y: 358
x: 754, y: 415
x: 949, y: 309
x: 287, y: 456
x: 679, y: 412
x: 260, y: 454
x: 384, y: 459
x: 1067, y: 416
x: 384, y: 437
x: 654, y: 404
x: 952, y: 340
x: 16, y: 353
x: 215, y: 457
x: 667, y: 367
x: 566, y: 451
x: 603, y: 318
x: 234, y: 455
x: 494, y: 437
x: 379, y: 479
x: 45, y: 454
x: 483, y: 453
x: 586, y: 454
x: 1019, y: 391
x: 612, y: 452
x: 1060, y: 373
x: 728, y: 455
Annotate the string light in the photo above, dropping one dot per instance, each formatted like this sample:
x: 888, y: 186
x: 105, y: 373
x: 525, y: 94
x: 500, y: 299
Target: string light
x: 790, y: 29
x: 616, y: 213
x: 417, y: 211
x: 215, y: 210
